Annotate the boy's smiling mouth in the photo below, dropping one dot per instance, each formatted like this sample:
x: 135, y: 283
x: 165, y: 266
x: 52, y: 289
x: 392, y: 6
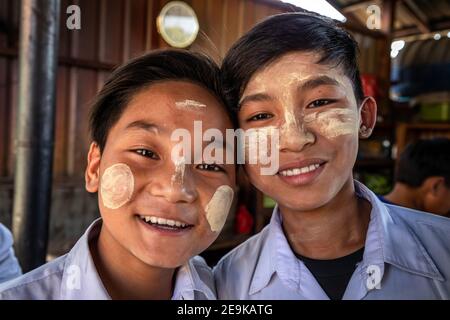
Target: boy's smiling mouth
x: 166, y: 224
x: 301, y: 172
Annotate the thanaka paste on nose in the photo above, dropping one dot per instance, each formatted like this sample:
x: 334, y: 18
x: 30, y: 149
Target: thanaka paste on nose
x: 116, y: 186
x: 178, y: 176
x: 218, y: 207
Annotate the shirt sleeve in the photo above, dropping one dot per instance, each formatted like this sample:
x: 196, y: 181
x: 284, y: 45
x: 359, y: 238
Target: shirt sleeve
x: 9, y: 266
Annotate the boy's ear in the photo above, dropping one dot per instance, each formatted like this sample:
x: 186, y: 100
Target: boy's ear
x: 368, y: 113
x: 434, y: 186
x: 93, y: 168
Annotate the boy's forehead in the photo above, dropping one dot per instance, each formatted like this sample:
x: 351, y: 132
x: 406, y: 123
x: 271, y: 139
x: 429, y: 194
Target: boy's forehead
x: 295, y: 67
x: 172, y: 106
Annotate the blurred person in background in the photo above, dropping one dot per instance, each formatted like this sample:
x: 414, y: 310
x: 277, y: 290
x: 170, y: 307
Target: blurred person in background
x: 422, y: 180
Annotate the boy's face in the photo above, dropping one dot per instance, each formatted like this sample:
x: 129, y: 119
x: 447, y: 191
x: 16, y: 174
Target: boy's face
x: 314, y: 108
x: 185, y: 205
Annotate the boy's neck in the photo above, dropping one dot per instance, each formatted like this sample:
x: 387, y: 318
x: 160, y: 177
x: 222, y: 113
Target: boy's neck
x: 405, y: 196
x: 125, y: 276
x: 331, y: 231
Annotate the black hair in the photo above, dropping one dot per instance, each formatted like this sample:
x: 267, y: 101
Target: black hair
x: 284, y: 33
x: 141, y: 72
x: 423, y: 159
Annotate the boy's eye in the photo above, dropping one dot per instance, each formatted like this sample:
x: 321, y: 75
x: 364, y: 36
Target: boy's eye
x: 209, y: 167
x: 260, y: 116
x: 320, y: 103
x: 147, y: 153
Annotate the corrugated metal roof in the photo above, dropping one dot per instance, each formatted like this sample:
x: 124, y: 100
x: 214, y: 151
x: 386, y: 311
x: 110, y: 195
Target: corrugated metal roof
x: 421, y: 67
x: 412, y: 16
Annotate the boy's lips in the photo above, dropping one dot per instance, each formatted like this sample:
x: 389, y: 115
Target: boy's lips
x: 164, y: 225
x: 301, y: 172
x: 155, y: 220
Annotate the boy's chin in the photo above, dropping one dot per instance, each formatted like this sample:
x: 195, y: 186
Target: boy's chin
x: 172, y: 262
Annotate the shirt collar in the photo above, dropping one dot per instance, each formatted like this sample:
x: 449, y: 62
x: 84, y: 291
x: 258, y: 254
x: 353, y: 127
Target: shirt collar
x: 276, y: 256
x: 386, y: 242
x: 81, y: 281
x: 191, y: 285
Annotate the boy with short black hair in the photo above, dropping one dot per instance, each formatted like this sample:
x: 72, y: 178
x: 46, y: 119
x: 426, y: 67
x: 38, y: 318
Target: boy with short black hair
x: 330, y: 237
x: 422, y: 178
x: 158, y: 208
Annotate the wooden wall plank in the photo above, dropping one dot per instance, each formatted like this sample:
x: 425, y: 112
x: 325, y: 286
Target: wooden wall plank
x: 87, y: 47
x: 138, y: 25
x: 111, y: 31
x: 86, y: 90
x: 61, y: 123
x: 13, y: 79
x: 4, y: 115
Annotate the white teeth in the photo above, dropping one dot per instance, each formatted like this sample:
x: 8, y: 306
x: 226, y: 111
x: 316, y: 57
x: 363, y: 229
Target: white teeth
x: 171, y: 223
x: 297, y: 171
x: 162, y: 221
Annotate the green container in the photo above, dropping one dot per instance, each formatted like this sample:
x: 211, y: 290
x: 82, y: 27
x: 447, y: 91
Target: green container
x: 268, y: 202
x: 435, y: 111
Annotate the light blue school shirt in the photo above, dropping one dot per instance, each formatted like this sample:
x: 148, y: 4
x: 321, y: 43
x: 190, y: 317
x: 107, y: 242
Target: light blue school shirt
x: 9, y: 266
x: 406, y: 256
x: 74, y: 277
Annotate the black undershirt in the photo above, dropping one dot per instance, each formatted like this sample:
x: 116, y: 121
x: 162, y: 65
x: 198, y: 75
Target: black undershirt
x: 333, y: 275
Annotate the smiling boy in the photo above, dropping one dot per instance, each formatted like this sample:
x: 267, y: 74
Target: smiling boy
x: 329, y: 237
x: 158, y: 209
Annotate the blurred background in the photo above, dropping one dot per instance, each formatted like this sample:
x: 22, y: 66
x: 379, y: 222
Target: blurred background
x: 404, y: 64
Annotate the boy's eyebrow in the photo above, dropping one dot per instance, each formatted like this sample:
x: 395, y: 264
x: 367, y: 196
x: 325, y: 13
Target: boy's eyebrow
x: 306, y: 85
x: 316, y: 82
x: 141, y: 124
x: 254, y: 98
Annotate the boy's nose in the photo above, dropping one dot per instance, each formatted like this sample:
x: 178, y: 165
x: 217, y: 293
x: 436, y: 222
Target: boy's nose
x: 294, y: 136
x: 175, y: 185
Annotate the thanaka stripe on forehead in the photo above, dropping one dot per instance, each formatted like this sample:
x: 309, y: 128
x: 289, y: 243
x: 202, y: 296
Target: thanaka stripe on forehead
x: 190, y: 104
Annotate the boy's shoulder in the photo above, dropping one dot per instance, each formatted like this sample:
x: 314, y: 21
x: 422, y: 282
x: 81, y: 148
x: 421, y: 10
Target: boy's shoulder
x: 431, y: 230
x: 61, y: 278
x: 43, y: 283
x: 233, y: 273
x: 6, y: 241
x: 249, y: 248
x: 9, y: 266
x: 419, y: 241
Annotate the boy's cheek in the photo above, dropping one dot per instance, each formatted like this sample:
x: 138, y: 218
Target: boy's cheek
x: 218, y: 208
x: 116, y: 186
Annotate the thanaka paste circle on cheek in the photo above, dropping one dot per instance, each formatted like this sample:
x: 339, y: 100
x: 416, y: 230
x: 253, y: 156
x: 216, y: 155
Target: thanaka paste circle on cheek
x: 117, y: 186
x: 218, y: 207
